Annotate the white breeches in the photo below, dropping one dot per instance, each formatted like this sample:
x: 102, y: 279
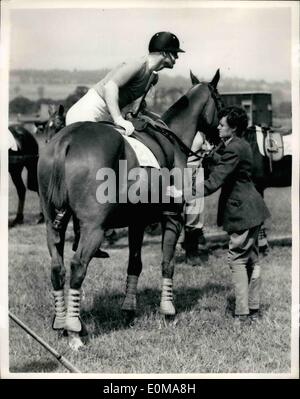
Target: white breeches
x: 91, y: 107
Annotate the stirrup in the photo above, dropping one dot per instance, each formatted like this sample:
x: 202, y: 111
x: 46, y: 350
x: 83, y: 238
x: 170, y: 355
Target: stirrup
x: 58, y: 221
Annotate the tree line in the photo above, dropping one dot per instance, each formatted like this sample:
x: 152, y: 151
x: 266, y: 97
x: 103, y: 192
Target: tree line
x: 158, y: 102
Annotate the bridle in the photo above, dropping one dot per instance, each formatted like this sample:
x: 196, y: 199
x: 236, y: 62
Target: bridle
x: 172, y: 137
x: 215, y: 95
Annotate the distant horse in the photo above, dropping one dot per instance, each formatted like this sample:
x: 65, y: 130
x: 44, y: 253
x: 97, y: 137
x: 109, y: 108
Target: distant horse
x: 67, y: 172
x: 267, y: 172
x: 56, y: 121
x: 25, y: 157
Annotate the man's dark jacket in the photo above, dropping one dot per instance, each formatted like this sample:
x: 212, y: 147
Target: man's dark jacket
x: 240, y: 205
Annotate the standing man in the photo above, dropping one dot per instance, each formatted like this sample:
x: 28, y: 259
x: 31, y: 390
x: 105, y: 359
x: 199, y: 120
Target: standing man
x: 194, y: 241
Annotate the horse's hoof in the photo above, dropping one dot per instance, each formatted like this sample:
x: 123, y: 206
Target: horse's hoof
x: 75, y: 341
x: 167, y: 308
x: 58, y: 324
x: 62, y: 334
x: 129, y: 316
x: 167, y: 321
x: 17, y: 220
x: 65, y: 333
x: 264, y: 250
x: 129, y: 304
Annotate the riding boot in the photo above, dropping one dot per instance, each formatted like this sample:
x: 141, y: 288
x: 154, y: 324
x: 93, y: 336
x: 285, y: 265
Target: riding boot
x: 194, y: 257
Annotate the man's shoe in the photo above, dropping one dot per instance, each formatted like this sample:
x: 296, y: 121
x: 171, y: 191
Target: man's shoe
x: 240, y: 319
x: 193, y: 259
x: 254, y: 314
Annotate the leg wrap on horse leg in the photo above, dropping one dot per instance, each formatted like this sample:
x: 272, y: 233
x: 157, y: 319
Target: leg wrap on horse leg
x: 166, y: 304
x: 73, y: 322
x: 60, y: 310
x: 130, y: 298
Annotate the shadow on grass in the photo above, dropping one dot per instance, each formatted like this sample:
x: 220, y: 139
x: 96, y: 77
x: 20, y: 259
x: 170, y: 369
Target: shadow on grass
x: 35, y: 367
x: 105, y: 314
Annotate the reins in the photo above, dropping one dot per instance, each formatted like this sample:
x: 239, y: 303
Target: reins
x: 162, y: 128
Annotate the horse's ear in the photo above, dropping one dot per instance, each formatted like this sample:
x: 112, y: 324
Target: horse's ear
x: 51, y: 109
x: 216, y: 79
x: 61, y: 110
x: 194, y: 79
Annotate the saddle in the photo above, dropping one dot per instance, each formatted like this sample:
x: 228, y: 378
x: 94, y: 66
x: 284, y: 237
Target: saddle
x: 270, y: 143
x: 148, y: 130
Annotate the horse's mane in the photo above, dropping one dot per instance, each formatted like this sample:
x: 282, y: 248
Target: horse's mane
x: 178, y: 106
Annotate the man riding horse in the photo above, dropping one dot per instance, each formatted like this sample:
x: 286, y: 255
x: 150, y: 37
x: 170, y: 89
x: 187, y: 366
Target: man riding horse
x: 108, y: 99
x: 68, y: 169
x: 117, y: 92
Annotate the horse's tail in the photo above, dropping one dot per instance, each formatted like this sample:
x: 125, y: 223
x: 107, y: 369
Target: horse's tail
x: 57, y: 189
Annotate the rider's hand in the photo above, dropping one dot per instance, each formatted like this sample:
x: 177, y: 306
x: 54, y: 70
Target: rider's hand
x: 127, y: 125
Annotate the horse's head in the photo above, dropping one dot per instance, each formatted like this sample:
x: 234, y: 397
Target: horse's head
x: 55, y: 122
x: 207, y: 93
x: 196, y: 111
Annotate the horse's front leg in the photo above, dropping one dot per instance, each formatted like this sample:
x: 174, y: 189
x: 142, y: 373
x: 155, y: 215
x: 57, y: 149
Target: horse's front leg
x: 172, y: 226
x: 135, y: 238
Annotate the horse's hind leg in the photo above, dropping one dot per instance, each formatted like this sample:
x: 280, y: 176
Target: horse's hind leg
x: 56, y: 241
x: 90, y: 239
x: 16, y: 176
x: 135, y: 237
x: 76, y: 228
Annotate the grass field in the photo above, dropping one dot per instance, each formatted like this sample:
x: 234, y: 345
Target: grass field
x: 203, y: 338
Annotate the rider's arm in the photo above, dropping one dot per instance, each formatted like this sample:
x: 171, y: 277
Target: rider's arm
x: 118, y: 78
x: 111, y: 96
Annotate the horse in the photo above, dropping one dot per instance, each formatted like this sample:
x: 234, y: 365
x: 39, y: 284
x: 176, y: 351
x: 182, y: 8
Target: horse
x: 56, y: 121
x: 267, y: 173
x: 26, y: 156
x: 67, y: 171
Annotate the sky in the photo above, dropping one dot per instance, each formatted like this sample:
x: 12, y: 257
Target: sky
x: 246, y: 42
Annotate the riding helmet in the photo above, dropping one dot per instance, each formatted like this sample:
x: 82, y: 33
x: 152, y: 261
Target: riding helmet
x: 164, y: 41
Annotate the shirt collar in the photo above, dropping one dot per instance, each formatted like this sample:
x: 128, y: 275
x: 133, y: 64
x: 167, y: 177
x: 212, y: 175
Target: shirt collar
x: 226, y: 142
